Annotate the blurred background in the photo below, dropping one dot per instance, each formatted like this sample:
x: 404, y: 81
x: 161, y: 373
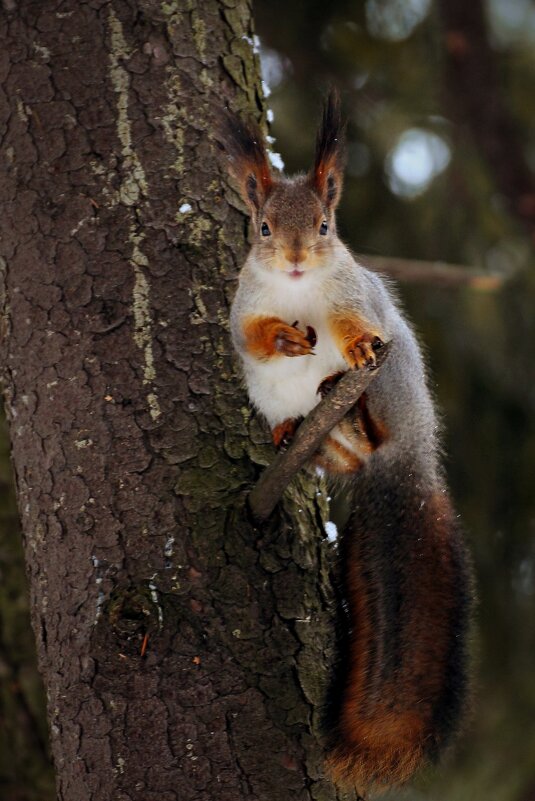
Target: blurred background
x: 439, y: 98
x: 440, y: 102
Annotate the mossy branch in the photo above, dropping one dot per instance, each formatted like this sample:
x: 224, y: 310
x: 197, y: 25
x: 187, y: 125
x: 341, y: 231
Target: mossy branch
x: 269, y: 489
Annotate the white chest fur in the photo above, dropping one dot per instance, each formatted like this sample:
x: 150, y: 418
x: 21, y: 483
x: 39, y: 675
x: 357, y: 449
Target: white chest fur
x: 287, y: 387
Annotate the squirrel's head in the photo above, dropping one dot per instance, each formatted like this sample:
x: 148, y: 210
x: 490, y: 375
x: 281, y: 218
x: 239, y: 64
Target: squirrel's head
x: 293, y: 219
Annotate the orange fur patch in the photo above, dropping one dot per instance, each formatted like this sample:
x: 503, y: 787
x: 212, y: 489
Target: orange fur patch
x: 334, y: 457
x: 270, y: 336
x: 284, y: 431
x: 364, y: 435
x: 349, y: 331
x: 260, y: 336
x: 352, y: 429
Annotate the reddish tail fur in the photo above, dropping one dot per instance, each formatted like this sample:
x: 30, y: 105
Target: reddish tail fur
x: 408, y: 591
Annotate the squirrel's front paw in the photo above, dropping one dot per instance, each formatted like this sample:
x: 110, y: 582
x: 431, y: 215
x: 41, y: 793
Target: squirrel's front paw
x: 290, y: 341
x: 361, y: 351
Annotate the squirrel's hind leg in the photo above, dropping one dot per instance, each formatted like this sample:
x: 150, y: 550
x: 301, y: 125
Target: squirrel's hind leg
x: 284, y: 432
x: 345, y: 449
x: 329, y: 383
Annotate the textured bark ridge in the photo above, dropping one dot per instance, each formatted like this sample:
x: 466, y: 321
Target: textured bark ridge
x: 183, y: 651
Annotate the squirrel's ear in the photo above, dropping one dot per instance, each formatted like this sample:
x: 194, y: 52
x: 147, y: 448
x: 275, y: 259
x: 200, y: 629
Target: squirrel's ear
x: 247, y: 158
x: 326, y: 177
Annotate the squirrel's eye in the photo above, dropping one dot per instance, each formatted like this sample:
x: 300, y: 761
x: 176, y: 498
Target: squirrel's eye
x: 265, y: 229
x: 324, y: 228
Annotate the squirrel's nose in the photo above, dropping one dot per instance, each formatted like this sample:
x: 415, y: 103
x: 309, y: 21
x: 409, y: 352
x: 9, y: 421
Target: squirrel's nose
x: 295, y: 255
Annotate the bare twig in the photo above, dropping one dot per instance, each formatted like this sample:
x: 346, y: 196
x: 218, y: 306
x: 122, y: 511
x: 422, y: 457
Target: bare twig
x: 433, y: 273
x: 268, y: 490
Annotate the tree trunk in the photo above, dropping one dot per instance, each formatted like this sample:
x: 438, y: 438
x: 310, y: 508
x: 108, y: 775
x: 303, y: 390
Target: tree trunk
x: 184, y: 652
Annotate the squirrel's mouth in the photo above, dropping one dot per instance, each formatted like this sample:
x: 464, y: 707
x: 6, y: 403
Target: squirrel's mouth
x: 295, y: 273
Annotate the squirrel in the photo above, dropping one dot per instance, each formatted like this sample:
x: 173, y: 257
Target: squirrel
x: 305, y: 312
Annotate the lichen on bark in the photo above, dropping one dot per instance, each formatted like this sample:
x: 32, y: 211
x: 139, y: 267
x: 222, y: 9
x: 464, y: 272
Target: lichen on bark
x: 176, y: 639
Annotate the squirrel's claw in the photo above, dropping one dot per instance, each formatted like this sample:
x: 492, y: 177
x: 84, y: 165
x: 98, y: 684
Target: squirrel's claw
x: 311, y: 336
x: 361, y: 351
x: 292, y: 342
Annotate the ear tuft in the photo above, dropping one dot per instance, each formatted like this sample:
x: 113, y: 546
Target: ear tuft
x: 248, y: 164
x: 327, y: 173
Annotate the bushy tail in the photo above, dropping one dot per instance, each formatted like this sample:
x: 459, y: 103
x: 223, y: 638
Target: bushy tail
x: 408, y: 588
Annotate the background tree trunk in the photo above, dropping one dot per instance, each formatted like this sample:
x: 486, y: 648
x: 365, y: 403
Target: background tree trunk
x: 25, y: 770
x: 183, y: 651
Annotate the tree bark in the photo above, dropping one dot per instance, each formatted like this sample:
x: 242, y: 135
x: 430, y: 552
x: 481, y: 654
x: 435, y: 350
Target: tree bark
x: 184, y: 652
